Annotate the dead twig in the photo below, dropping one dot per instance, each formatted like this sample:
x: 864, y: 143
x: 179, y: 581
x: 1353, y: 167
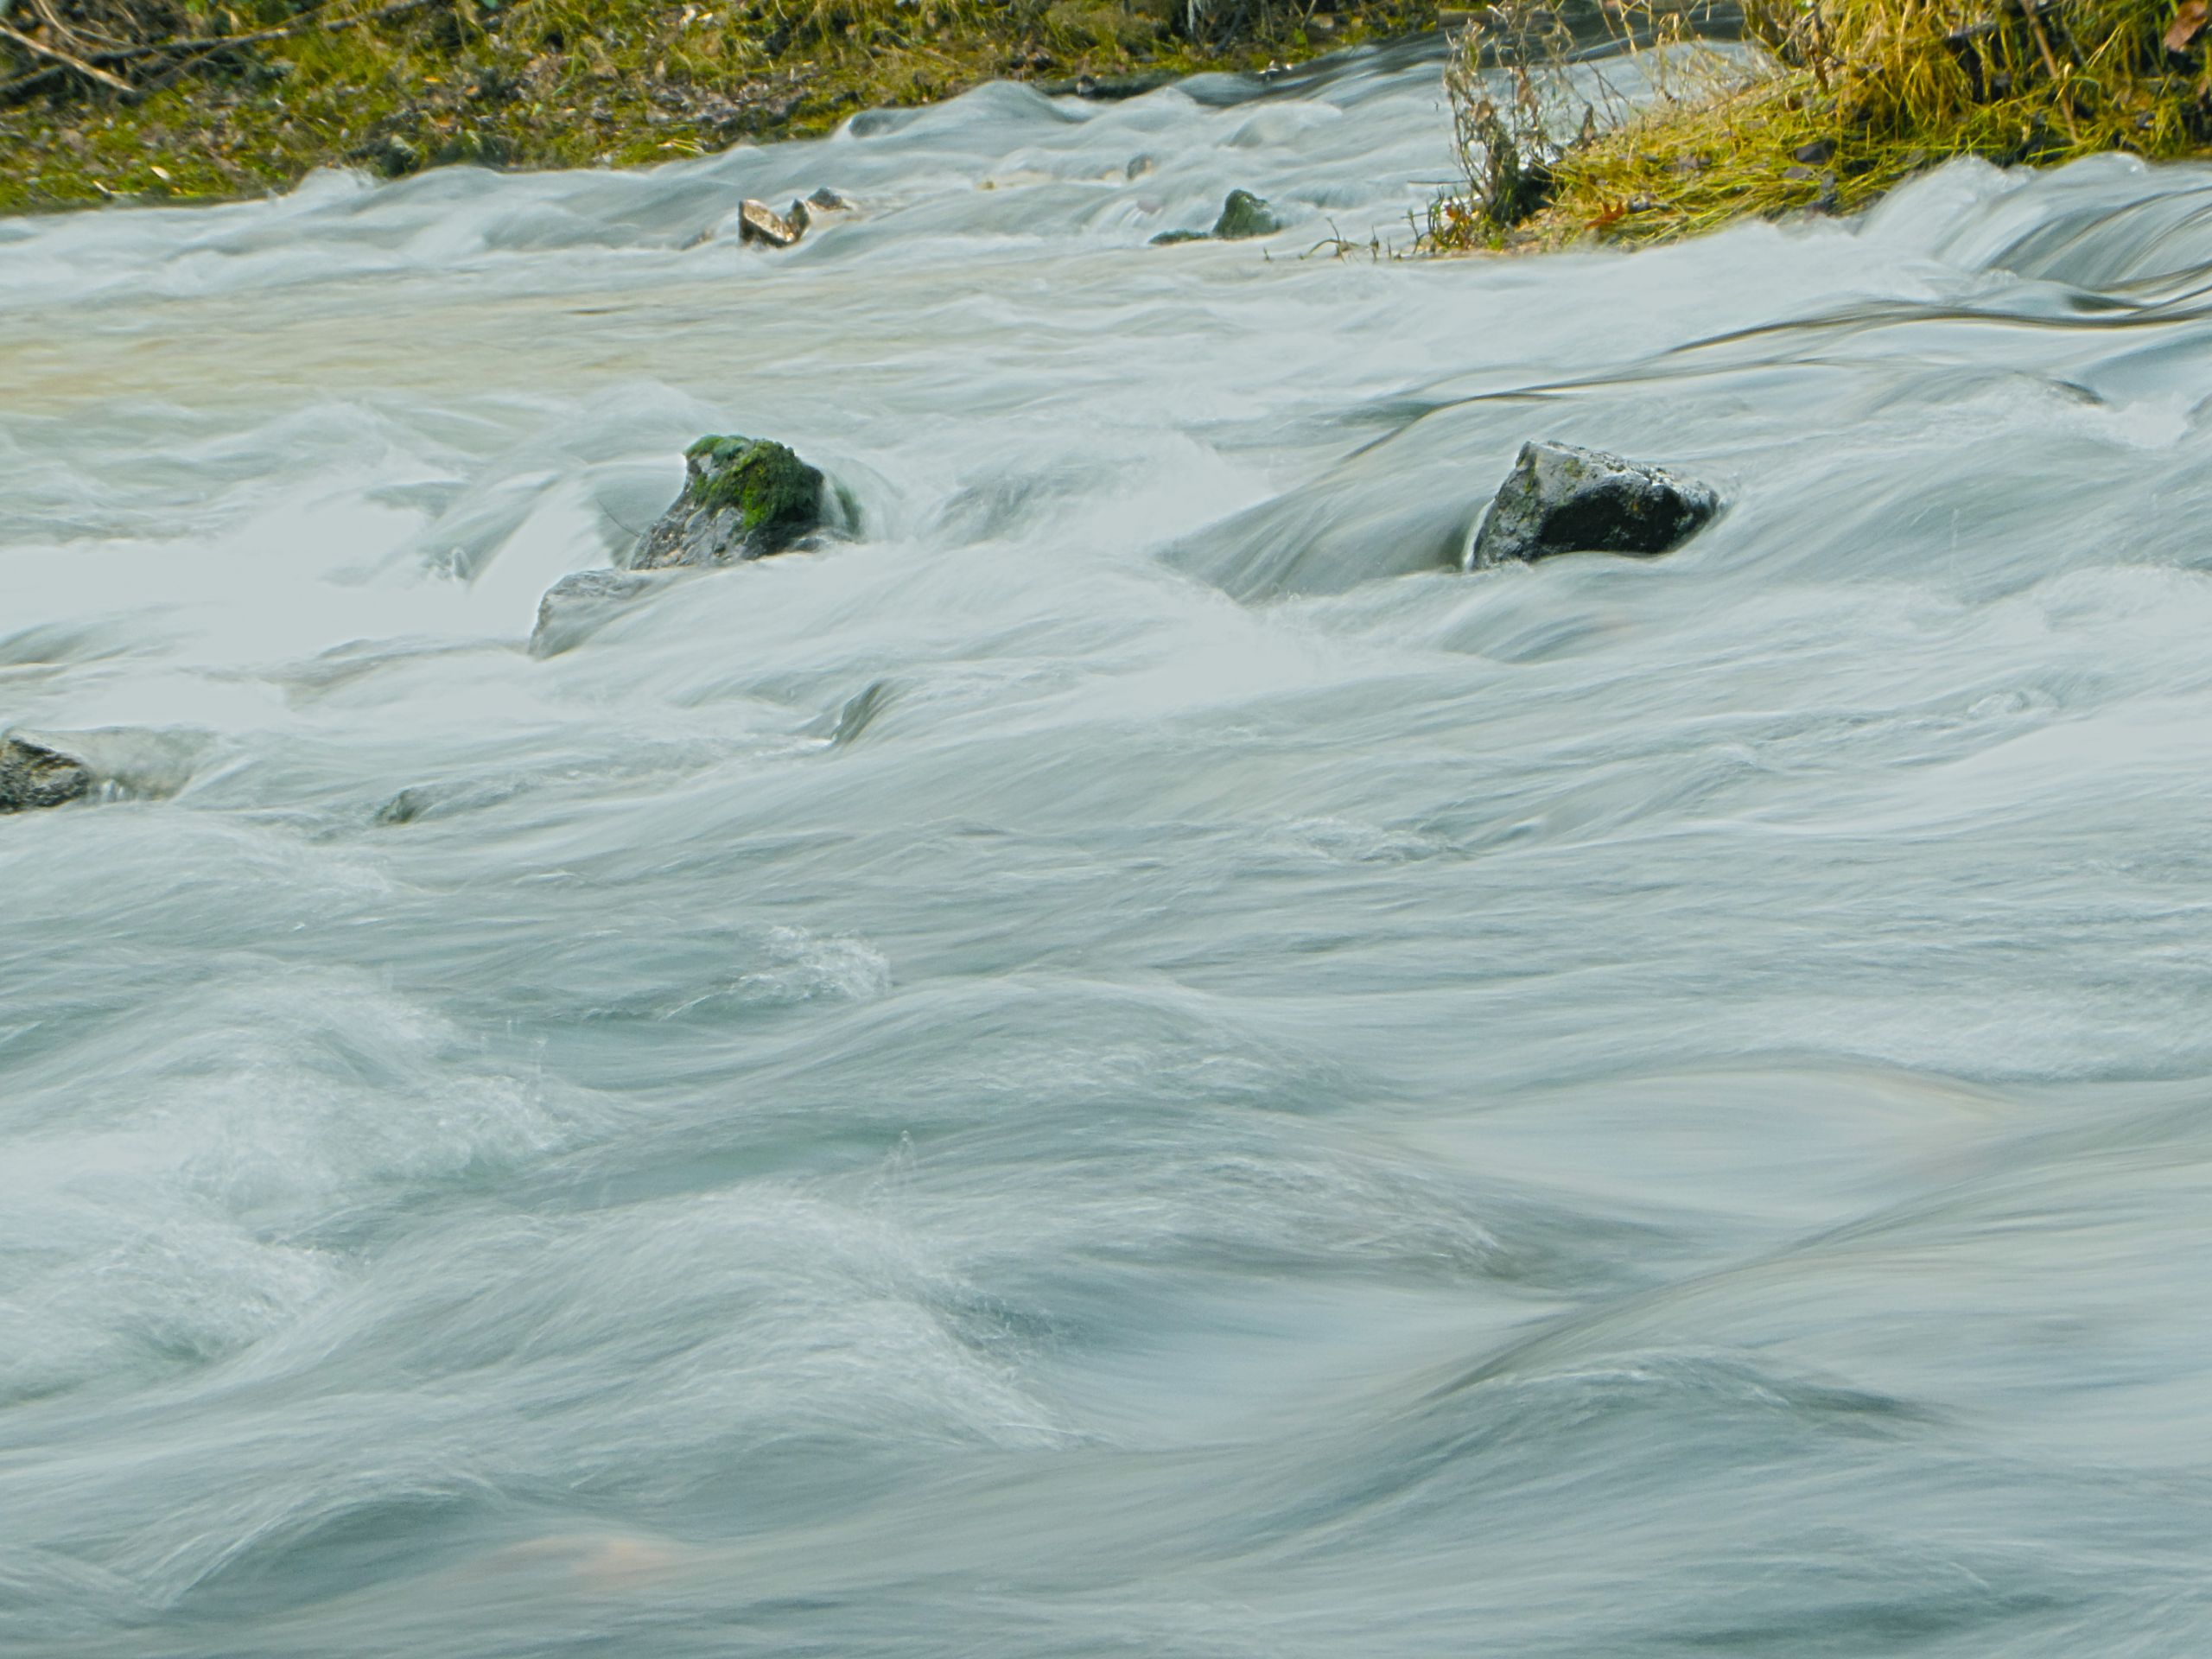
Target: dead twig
x: 21, y: 85
x: 41, y: 49
x: 2058, y: 77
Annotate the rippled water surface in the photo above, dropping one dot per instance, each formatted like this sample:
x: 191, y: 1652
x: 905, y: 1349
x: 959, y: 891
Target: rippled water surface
x: 1126, y: 1064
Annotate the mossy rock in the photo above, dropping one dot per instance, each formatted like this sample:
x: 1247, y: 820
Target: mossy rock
x: 1243, y: 215
x: 743, y: 499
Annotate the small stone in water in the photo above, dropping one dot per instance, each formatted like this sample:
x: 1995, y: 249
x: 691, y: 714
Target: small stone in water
x: 1560, y: 498
x: 1245, y: 215
x: 1242, y: 216
x: 33, y: 776
x: 759, y: 222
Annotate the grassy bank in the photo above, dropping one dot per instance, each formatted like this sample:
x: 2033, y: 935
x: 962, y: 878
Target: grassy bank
x: 155, y: 99
x: 1840, y: 101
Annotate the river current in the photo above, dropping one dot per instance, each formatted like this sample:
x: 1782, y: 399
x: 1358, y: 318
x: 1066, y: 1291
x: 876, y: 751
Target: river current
x: 1126, y: 1064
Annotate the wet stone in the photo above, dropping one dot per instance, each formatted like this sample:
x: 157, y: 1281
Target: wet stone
x: 33, y: 776
x: 759, y: 222
x: 578, y: 605
x: 743, y: 499
x: 1560, y: 498
x: 1245, y: 215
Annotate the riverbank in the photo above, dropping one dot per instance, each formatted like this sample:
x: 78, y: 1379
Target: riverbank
x: 231, y: 102
x: 1832, y: 107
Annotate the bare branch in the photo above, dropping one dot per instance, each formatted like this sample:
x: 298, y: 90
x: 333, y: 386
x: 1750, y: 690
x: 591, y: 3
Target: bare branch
x: 79, y: 65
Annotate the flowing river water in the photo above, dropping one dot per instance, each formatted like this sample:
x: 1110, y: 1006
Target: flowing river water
x: 1126, y: 1064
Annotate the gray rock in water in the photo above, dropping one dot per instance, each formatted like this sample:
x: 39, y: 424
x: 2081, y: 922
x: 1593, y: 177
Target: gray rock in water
x: 578, y: 605
x: 41, y: 769
x: 33, y: 776
x: 1244, y: 215
x: 758, y: 222
x: 439, y: 800
x: 1563, y: 499
x: 743, y: 499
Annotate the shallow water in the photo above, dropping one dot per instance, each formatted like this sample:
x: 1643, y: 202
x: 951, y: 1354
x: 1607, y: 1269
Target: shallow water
x: 1126, y: 1064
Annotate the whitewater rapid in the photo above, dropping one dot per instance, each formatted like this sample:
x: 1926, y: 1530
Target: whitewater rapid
x: 1125, y: 1064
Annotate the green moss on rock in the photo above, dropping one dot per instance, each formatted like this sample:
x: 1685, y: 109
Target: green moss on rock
x: 1244, y: 215
x: 774, y: 491
x: 743, y: 499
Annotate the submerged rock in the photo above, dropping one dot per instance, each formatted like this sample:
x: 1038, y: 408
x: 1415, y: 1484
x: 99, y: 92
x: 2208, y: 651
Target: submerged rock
x: 33, y: 776
x: 743, y: 499
x: 758, y: 222
x: 1243, y: 215
x: 578, y: 605
x: 439, y: 800
x: 1560, y: 499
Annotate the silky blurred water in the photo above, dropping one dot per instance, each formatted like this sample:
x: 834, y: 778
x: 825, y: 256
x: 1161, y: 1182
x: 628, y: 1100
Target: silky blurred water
x: 1125, y: 1064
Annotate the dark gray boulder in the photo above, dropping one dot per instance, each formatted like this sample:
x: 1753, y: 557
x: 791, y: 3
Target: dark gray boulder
x: 1560, y: 499
x: 33, y: 776
x: 743, y: 499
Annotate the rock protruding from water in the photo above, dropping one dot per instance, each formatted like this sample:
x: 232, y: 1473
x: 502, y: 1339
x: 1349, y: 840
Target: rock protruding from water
x: 33, y: 776
x: 1564, y: 500
x: 1243, y: 215
x: 758, y: 222
x: 804, y: 210
x: 743, y: 499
